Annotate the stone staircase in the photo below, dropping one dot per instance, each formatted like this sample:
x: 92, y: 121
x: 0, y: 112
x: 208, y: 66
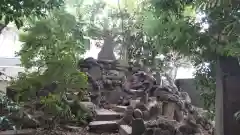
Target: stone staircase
x: 107, y: 120
x: 123, y: 129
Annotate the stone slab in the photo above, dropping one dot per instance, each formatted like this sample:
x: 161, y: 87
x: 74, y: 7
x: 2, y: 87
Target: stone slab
x: 120, y: 108
x: 107, y: 115
x: 125, y: 130
x: 103, y: 126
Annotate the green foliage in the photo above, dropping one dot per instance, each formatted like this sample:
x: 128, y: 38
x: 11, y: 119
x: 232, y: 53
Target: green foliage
x: 60, y: 34
x: 50, y: 51
x: 8, y: 108
x: 54, y: 104
x: 54, y: 45
x: 26, y: 85
x: 176, y: 31
x: 16, y: 10
x: 206, y: 83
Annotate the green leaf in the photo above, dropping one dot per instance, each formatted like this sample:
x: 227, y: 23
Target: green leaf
x: 18, y: 23
x: 6, y: 20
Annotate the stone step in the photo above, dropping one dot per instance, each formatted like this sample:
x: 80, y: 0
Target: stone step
x: 119, y: 108
x: 125, y: 130
x: 107, y: 115
x: 103, y: 126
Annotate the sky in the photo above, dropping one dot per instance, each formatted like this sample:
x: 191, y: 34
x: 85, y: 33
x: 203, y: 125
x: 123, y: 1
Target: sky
x: 9, y: 44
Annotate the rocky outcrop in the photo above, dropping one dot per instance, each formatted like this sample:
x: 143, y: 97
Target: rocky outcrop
x: 146, y: 107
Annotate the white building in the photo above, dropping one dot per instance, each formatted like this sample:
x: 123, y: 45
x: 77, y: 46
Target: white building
x: 10, y: 67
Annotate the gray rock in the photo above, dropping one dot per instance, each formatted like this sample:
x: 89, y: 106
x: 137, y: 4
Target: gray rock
x: 133, y: 103
x: 129, y: 110
x: 178, y: 115
x: 114, y: 96
x: 126, y: 120
x: 127, y: 117
x: 159, y: 131
x: 168, y: 110
x: 163, y: 123
x: 149, y: 131
x: 138, y: 113
x: 188, y: 129
x: 141, y: 106
x: 146, y: 115
x: 95, y: 72
x: 155, y: 110
x: 185, y: 96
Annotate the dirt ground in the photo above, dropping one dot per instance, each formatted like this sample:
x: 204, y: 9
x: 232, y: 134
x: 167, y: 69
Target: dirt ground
x: 60, y: 131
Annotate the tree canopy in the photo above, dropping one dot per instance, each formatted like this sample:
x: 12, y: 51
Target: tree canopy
x: 17, y: 10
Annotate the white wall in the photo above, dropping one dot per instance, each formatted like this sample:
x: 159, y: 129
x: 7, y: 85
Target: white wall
x: 3, y: 85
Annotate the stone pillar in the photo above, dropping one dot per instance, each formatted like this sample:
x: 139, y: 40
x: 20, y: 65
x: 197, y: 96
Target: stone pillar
x: 144, y: 98
x: 138, y: 126
x: 106, y: 52
x: 227, y: 96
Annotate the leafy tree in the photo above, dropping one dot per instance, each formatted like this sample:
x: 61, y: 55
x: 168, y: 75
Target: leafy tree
x: 179, y: 32
x: 16, y: 10
x: 52, y: 46
x: 128, y: 27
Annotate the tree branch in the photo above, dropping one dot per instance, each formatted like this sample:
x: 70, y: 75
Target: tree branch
x: 2, y: 26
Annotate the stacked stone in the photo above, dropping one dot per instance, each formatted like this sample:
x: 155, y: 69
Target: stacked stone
x: 104, y: 79
x: 171, y: 113
x: 165, y: 118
